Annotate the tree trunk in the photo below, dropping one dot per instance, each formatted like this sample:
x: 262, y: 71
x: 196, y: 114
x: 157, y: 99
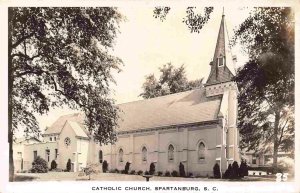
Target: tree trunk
x: 10, y: 85
x: 276, y: 145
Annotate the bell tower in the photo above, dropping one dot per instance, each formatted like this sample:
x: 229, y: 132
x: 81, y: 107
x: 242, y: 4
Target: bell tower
x: 220, y: 83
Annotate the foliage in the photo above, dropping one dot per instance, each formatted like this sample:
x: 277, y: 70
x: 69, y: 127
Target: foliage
x: 146, y: 173
x: 152, y: 169
x: 175, y: 173
x: 140, y: 172
x: 39, y: 165
x: 132, y: 172
x: 167, y: 173
x: 217, y: 172
x: 68, y: 166
x: 159, y: 173
x: 53, y: 165
x: 285, y: 164
x: 62, y: 56
x: 235, y: 170
x: 243, y: 169
x: 228, y: 172
x: 194, y: 21
x: 266, y: 82
x: 172, y: 80
x: 104, y: 166
x: 116, y: 171
x: 127, y: 166
x: 91, y: 169
x: 181, y: 170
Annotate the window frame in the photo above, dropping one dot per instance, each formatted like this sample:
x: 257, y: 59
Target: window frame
x: 121, y: 160
x: 171, y: 153
x: 223, y: 61
x: 201, y: 153
x: 144, y: 154
x: 100, y: 156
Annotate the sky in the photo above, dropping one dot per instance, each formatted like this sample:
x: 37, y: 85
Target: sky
x: 145, y: 44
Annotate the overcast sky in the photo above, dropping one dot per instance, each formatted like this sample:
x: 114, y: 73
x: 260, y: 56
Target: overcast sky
x: 146, y: 43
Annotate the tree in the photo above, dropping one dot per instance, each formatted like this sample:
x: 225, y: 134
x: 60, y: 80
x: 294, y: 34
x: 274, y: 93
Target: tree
x: 53, y: 165
x: 266, y: 82
x: 127, y: 166
x: 181, y: 170
x: 61, y: 56
x: 68, y: 166
x: 194, y: 21
x: 152, y: 168
x: 217, y: 172
x: 243, y: 168
x: 104, y: 166
x: 172, y: 80
x: 235, y: 170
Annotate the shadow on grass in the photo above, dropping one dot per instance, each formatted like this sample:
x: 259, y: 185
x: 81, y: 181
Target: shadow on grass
x: 21, y: 178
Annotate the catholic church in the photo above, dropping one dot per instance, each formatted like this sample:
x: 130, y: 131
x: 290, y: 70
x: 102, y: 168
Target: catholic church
x: 197, y: 128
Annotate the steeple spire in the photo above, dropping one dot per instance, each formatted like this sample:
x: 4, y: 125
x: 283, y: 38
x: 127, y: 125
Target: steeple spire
x: 222, y: 64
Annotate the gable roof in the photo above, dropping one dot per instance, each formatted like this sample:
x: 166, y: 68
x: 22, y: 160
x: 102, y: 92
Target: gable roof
x: 181, y: 108
x: 78, y: 129
x: 57, y: 126
x: 175, y: 109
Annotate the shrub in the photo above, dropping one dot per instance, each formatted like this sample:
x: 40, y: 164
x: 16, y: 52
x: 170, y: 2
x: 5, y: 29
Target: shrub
x: 104, y: 166
x: 228, y: 172
x: 126, y: 169
x: 217, y: 173
x: 39, y: 165
x: 181, y: 170
x: 167, y: 173
x: 140, y: 172
x: 159, y: 173
x: 243, y: 169
x: 123, y: 172
x: 175, y: 173
x: 117, y: 171
x: 68, y: 167
x: 132, y: 172
x: 152, y: 168
x: 53, y: 165
x: 146, y: 173
x: 190, y: 175
x: 235, y: 170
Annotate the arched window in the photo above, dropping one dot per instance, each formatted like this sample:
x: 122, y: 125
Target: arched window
x: 100, y: 156
x: 171, y: 153
x: 121, y: 155
x: 201, y: 151
x: 144, y: 153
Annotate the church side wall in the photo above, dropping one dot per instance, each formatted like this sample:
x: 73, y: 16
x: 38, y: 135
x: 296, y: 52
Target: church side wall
x: 186, y: 150
x: 211, y: 139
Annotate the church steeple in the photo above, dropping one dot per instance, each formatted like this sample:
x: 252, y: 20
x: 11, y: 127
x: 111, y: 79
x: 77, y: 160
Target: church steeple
x: 222, y: 64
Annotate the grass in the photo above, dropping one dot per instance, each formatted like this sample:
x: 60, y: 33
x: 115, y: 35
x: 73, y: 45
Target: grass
x: 74, y: 176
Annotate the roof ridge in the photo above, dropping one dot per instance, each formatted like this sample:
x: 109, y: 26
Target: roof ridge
x: 159, y: 97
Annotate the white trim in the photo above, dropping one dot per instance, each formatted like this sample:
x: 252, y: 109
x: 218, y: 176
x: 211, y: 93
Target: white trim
x: 219, y: 146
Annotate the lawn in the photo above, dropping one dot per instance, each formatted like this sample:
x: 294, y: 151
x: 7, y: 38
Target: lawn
x: 72, y: 176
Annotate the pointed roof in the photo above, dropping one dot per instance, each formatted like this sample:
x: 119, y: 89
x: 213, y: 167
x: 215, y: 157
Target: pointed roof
x: 222, y: 73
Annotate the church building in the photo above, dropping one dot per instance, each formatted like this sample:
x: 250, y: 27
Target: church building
x: 197, y: 128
